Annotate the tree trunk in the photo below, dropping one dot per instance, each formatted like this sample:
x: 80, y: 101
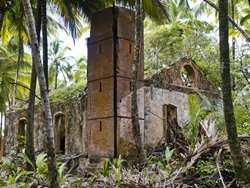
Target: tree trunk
x: 233, y: 43
x: 234, y: 145
x: 51, y: 157
x: 45, y: 39
x: 56, y: 64
x: 19, y: 61
x: 29, y: 149
x: 1, y: 18
x: 135, y: 116
x: 1, y: 125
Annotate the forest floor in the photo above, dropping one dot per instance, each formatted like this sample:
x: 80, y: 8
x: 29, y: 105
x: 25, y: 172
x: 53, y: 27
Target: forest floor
x: 206, y: 164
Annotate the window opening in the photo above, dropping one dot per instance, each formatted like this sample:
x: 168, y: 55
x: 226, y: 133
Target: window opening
x: 130, y: 48
x: 188, y: 76
x: 100, y: 48
x: 100, y: 126
x: 100, y: 87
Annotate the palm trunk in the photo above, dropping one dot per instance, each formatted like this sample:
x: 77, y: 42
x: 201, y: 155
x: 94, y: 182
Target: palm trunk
x: 45, y: 39
x: 234, y: 145
x: 29, y: 149
x: 51, y: 157
x: 56, y: 75
x: 1, y: 18
x: 135, y: 116
x: 1, y: 125
x: 19, y: 61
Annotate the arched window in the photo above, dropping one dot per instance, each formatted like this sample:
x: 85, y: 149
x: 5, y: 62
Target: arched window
x: 188, y: 75
x: 59, y: 132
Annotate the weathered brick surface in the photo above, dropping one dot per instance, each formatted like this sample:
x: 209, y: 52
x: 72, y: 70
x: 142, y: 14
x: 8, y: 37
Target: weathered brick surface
x: 102, y: 62
x: 101, y: 138
x: 101, y: 98
x: 100, y: 56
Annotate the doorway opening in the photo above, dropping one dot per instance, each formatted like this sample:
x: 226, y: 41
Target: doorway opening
x: 170, y: 123
x: 59, y: 133
x: 21, y: 132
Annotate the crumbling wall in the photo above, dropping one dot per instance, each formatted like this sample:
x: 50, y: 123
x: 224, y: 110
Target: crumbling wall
x: 174, y: 76
x: 76, y: 138
x: 155, y: 98
x: 169, y: 87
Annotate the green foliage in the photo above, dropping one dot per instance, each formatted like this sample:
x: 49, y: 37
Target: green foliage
x: 168, y: 154
x: 59, y: 65
x: 196, y: 114
x: 41, y: 166
x: 105, y: 169
x: 16, y: 173
x: 81, y: 70
x: 25, y: 158
x: 200, y: 108
x: 67, y: 92
x: 242, y: 113
x: 61, y: 172
x: 206, y: 167
x: 184, y: 36
x: 116, y: 166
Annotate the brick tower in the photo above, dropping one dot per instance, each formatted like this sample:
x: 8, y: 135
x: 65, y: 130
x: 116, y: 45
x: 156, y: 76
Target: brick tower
x: 110, y: 58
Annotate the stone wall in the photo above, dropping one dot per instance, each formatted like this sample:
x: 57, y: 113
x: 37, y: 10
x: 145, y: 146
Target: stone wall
x: 155, y: 98
x: 169, y: 87
x: 75, y: 133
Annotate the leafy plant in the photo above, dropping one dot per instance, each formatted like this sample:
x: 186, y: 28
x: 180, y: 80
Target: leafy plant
x: 168, y: 154
x: 61, y: 173
x: 41, y: 166
x: 117, y: 169
x: 105, y: 170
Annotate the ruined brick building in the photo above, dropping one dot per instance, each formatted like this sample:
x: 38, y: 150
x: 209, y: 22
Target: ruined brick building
x: 99, y: 122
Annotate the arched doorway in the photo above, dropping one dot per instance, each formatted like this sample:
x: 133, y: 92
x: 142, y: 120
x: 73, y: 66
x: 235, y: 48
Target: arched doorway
x: 59, y: 133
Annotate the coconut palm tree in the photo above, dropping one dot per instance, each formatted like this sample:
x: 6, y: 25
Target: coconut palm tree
x: 36, y: 58
x: 234, y: 145
x: 13, y: 26
x: 59, y: 63
x: 81, y: 70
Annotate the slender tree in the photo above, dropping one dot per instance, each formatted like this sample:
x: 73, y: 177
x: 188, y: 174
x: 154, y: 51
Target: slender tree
x: 45, y: 38
x: 36, y: 58
x: 138, y: 40
x: 29, y: 147
x: 234, y: 145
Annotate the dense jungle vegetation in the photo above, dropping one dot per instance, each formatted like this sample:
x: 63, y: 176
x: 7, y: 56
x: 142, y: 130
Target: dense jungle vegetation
x: 36, y: 65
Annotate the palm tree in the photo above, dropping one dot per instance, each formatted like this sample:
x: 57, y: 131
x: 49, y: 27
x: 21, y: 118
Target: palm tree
x: 238, y: 163
x: 59, y: 63
x: 14, y: 27
x: 81, y: 70
x: 53, y: 181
